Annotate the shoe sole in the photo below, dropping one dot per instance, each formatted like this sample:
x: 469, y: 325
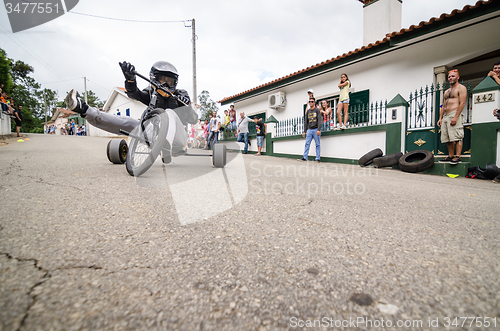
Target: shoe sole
x: 70, y: 100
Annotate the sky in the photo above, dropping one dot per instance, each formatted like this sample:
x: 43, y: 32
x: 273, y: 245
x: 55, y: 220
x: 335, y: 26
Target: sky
x: 239, y: 44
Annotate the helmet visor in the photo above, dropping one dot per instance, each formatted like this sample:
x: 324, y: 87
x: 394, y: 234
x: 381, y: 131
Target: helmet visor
x: 169, y: 81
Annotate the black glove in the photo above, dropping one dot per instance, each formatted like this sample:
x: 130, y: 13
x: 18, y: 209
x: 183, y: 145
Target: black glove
x: 184, y: 98
x: 128, y: 70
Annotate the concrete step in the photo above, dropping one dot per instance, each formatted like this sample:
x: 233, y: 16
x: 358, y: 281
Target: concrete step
x: 444, y: 168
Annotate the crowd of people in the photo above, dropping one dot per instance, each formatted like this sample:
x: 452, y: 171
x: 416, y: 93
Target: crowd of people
x: 70, y: 129
x: 9, y: 108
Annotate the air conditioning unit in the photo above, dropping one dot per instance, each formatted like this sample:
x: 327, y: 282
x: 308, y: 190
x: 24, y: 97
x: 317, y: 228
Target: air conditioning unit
x: 277, y: 100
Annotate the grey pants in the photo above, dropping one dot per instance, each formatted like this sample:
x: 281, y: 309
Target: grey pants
x: 176, y: 133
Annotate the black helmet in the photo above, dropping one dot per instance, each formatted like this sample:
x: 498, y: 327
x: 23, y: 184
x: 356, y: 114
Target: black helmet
x: 163, y: 72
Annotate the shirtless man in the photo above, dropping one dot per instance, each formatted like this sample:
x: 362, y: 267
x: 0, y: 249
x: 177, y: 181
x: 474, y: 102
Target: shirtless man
x: 495, y: 73
x: 450, y: 116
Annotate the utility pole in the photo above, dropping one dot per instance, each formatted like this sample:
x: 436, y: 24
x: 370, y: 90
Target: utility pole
x: 195, y: 96
x: 85, y: 87
x: 45, y: 103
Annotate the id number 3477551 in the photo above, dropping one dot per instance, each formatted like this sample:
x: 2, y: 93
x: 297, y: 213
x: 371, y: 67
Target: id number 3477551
x: 32, y: 7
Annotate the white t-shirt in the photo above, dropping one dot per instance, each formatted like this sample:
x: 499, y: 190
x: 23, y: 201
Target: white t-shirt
x: 214, y: 123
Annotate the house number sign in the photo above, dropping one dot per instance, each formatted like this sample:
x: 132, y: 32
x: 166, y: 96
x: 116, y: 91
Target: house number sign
x: 484, y: 97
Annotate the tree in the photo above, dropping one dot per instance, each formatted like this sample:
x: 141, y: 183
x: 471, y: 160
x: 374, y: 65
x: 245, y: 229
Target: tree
x: 208, y: 106
x: 25, y: 91
x: 92, y: 99
x: 5, y: 72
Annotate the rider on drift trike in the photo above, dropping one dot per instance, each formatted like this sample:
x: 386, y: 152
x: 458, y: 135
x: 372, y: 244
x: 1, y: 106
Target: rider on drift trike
x: 162, y: 73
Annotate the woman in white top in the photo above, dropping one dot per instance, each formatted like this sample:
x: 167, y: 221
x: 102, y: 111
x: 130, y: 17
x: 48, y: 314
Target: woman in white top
x: 343, y: 104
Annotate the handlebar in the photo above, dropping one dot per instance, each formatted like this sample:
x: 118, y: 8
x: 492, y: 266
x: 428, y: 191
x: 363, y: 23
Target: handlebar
x: 159, y: 87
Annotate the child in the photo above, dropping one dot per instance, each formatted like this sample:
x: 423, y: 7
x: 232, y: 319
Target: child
x: 343, y: 104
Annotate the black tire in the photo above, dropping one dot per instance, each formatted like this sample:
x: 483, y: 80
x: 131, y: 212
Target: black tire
x: 387, y: 160
x: 219, y: 155
x: 368, y: 157
x: 416, y: 161
x: 141, y: 156
x: 117, y: 151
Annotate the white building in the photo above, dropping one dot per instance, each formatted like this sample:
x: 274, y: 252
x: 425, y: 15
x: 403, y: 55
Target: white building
x: 119, y: 104
x: 399, y: 62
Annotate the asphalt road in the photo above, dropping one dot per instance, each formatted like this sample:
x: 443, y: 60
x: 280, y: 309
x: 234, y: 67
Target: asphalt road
x: 266, y: 244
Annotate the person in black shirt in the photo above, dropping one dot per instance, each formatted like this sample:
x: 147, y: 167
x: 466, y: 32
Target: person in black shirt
x: 312, y: 129
x: 18, y: 118
x: 261, y: 132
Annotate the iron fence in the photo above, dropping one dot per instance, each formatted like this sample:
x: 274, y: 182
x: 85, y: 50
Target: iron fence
x: 359, y: 115
x: 424, y: 105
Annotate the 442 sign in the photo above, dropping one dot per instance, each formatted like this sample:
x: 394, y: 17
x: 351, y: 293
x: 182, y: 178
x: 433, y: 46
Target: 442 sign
x: 484, y: 97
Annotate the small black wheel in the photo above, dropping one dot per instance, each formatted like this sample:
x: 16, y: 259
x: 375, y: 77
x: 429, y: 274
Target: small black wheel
x: 117, y: 151
x: 387, y: 160
x: 219, y: 155
x: 368, y: 157
x: 142, y: 154
x: 416, y: 161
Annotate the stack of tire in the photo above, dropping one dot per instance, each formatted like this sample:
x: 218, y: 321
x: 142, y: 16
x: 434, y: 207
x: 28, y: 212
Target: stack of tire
x: 414, y: 161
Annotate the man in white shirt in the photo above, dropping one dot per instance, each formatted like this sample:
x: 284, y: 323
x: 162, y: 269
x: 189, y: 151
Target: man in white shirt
x: 243, y: 131
x: 214, y: 131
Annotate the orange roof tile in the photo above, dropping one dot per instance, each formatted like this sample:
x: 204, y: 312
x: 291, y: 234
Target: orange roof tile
x: 371, y: 45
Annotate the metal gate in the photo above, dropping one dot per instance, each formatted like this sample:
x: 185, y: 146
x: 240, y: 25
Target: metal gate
x: 422, y: 116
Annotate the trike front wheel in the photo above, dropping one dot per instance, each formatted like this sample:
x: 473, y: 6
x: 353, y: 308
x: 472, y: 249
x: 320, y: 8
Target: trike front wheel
x: 145, y: 146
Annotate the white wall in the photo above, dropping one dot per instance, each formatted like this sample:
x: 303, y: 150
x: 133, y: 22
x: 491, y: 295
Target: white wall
x: 380, y: 18
x: 5, y: 124
x: 121, y: 103
x: 348, y: 146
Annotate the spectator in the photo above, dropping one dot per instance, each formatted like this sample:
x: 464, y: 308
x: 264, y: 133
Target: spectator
x: 343, y: 104
x: 451, y: 117
x: 227, y: 123
x: 214, y: 131
x: 84, y: 130
x: 198, y: 133
x: 5, y: 105
x: 261, y: 132
x: 310, y: 94
x: 312, y: 130
x: 232, y: 120
x: 190, y: 142
x: 326, y: 112
x: 18, y: 119
x: 206, y: 126
x: 495, y: 73
x: 242, y: 131
x: 73, y: 131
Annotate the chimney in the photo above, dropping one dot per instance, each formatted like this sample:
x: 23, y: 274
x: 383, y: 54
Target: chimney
x: 380, y: 17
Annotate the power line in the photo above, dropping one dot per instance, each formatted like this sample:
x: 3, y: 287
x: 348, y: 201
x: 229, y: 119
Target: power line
x: 107, y: 89
x: 62, y: 81
x: 125, y: 20
x: 26, y: 49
